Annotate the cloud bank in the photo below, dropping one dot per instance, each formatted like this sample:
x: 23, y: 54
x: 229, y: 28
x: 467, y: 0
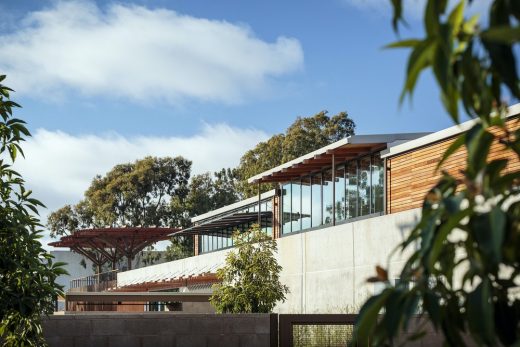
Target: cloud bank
x: 141, y: 54
x: 59, y: 167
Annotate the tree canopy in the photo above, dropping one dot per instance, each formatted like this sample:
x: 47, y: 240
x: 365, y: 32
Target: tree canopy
x: 305, y: 135
x: 27, y: 272
x: 250, y: 278
x: 465, y: 259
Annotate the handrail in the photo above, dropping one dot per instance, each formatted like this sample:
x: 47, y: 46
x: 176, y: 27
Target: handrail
x: 95, y: 283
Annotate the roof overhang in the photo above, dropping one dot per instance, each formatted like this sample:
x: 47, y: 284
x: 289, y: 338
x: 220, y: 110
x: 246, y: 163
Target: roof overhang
x: 230, y: 221
x: 346, y: 149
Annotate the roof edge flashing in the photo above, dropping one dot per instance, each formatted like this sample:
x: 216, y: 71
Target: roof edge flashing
x: 440, y: 135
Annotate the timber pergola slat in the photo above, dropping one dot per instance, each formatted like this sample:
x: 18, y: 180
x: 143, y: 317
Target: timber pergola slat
x: 102, y: 245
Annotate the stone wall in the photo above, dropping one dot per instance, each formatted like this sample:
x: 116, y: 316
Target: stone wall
x: 157, y: 329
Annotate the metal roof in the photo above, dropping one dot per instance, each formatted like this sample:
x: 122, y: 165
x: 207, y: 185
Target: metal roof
x: 236, y: 206
x: 229, y: 221
x: 348, y: 148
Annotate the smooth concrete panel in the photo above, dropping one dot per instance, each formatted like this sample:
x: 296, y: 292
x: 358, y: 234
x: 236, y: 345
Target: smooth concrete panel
x: 329, y: 291
x: 329, y: 248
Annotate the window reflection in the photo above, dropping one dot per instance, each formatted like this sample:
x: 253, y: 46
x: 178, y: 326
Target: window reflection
x: 286, y: 208
x: 306, y: 203
x: 377, y: 184
x: 364, y: 186
x: 316, y: 200
x: 351, y: 189
x: 295, y: 207
x: 327, y: 197
x: 340, y: 193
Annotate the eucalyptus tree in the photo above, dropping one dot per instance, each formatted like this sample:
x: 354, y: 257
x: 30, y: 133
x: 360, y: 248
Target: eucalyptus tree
x: 131, y: 194
x: 304, y: 135
x: 464, y: 274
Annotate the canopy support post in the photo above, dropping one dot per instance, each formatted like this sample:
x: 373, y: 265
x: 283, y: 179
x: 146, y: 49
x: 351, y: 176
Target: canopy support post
x: 333, y: 189
x: 259, y: 212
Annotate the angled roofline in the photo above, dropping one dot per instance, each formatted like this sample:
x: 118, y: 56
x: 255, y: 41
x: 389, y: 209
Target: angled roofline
x: 234, y: 206
x: 352, y: 140
x: 512, y: 110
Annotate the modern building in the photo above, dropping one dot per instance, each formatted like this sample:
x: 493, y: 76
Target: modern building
x: 336, y: 213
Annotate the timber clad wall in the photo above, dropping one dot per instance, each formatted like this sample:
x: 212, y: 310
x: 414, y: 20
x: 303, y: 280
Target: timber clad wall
x: 412, y: 174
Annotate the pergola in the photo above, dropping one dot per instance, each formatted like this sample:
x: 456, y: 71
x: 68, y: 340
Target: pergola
x: 102, y: 245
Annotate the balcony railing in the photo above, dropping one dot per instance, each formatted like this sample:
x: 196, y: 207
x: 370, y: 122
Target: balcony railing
x: 95, y: 283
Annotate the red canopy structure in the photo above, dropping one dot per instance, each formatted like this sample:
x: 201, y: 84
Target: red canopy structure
x: 102, y: 245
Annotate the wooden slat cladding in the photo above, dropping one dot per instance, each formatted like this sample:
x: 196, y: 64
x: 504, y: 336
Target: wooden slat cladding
x: 412, y: 174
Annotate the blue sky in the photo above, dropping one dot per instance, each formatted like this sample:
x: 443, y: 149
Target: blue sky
x: 110, y: 82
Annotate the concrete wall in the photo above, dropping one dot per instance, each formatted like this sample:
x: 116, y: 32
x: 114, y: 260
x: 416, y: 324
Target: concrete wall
x: 73, y: 267
x: 325, y: 269
x: 157, y: 329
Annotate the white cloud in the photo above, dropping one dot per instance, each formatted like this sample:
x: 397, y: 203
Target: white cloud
x: 141, y: 54
x: 59, y: 167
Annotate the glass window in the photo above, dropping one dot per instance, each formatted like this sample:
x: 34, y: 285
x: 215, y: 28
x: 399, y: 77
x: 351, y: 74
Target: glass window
x: 306, y: 203
x: 295, y: 207
x: 219, y: 241
x: 206, y: 243
x: 327, y: 197
x: 286, y: 208
x: 378, y: 185
x: 316, y: 200
x: 351, y: 189
x: 268, y: 206
x: 364, y: 186
x: 340, y: 193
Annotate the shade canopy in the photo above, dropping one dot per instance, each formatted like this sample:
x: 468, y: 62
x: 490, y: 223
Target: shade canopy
x: 229, y: 222
x: 102, y: 245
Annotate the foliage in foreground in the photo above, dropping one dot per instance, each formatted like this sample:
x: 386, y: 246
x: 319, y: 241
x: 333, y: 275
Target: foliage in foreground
x: 250, y: 279
x: 27, y: 273
x: 463, y: 273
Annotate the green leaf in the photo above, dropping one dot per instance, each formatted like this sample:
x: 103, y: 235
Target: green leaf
x: 478, y: 142
x: 442, y: 234
x: 404, y: 44
x: 459, y: 142
x: 420, y: 58
x: 480, y: 314
x: 398, y: 13
x: 367, y: 318
x: 502, y: 34
x: 456, y: 17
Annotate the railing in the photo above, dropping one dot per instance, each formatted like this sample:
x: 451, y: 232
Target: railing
x: 95, y: 283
